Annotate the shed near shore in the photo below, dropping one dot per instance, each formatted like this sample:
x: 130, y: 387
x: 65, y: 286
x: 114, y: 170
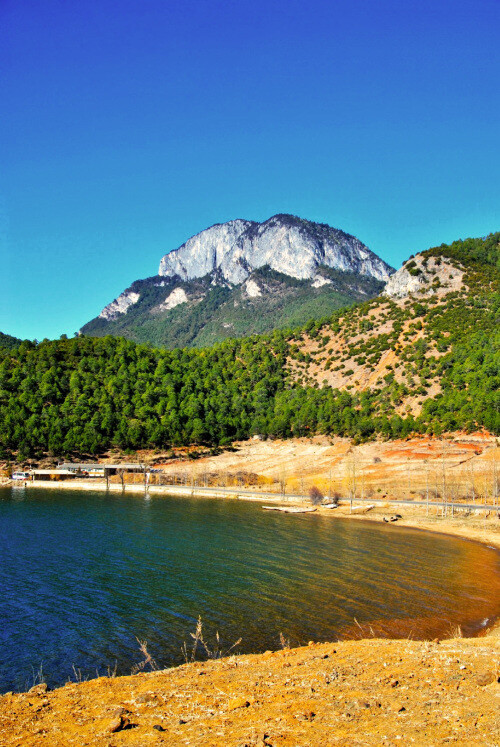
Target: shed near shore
x: 108, y: 469
x: 52, y: 474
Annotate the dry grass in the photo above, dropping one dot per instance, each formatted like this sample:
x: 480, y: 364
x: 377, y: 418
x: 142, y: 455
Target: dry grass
x: 147, y: 661
x: 410, y: 468
x: 201, y: 646
x: 455, y: 632
x: 284, y: 642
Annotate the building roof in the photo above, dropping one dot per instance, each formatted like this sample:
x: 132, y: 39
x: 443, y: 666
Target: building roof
x: 51, y: 472
x: 100, y: 465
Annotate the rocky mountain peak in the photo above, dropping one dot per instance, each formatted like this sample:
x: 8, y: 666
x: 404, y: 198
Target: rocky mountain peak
x: 285, y: 243
x: 244, y: 277
x: 204, y: 252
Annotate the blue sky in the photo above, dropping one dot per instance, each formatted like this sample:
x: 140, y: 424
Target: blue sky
x: 128, y: 126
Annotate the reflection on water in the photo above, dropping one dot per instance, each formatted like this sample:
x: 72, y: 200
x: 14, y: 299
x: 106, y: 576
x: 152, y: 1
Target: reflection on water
x: 83, y: 574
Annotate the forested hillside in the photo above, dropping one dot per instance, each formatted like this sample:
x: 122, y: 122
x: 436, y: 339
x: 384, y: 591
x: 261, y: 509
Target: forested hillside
x: 433, y: 355
x: 8, y: 341
x: 211, y: 312
x: 423, y: 363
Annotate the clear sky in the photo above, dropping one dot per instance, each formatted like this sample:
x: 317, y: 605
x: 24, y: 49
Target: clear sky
x: 127, y: 126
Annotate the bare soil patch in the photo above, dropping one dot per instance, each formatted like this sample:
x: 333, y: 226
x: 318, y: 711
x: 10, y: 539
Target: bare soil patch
x: 371, y: 692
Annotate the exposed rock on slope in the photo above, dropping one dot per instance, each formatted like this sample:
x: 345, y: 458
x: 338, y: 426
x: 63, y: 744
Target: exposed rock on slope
x: 285, y: 243
x: 204, y: 252
x: 119, y: 305
x: 426, y: 276
x: 175, y: 298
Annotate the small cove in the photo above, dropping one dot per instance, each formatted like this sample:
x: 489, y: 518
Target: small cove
x: 82, y: 574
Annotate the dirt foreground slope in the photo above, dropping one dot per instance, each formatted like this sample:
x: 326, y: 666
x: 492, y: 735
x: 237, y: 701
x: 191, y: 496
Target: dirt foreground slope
x: 371, y: 692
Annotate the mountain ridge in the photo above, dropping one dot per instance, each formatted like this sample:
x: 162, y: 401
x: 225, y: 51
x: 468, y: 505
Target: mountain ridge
x: 261, y: 269
x: 9, y: 341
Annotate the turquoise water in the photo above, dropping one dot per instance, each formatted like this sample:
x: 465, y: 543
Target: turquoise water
x: 83, y: 574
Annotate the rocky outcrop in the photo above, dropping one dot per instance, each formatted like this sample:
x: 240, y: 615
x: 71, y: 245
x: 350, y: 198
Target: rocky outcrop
x: 285, y: 243
x: 422, y: 275
x: 119, y: 306
x: 282, y: 266
x: 320, y: 281
x: 402, y: 284
x: 175, y: 298
x: 203, y: 253
x: 252, y: 289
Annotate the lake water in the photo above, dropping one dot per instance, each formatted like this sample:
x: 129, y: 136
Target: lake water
x: 82, y: 574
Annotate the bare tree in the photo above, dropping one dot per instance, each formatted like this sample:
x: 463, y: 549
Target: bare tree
x: 351, y: 479
x: 495, y: 478
x: 282, y: 481
x: 426, y: 462
x: 302, y: 489
x: 362, y: 482
x: 471, y: 476
x: 443, y: 478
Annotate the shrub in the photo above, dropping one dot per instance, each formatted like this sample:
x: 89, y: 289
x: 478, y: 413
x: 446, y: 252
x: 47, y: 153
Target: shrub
x: 315, y: 495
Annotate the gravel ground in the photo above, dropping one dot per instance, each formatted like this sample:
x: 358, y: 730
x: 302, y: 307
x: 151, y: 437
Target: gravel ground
x: 371, y: 692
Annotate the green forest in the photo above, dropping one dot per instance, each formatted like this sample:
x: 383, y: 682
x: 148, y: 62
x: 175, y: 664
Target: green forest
x: 85, y: 395
x: 7, y: 341
x: 218, y: 312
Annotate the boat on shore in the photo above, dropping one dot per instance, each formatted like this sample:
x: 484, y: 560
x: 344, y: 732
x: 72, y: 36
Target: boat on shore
x: 289, y: 509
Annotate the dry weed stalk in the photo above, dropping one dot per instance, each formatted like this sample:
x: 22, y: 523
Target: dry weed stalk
x: 38, y: 676
x: 217, y: 652
x: 284, y: 642
x: 78, y: 674
x: 455, y: 631
x: 363, y: 631
x: 148, y: 660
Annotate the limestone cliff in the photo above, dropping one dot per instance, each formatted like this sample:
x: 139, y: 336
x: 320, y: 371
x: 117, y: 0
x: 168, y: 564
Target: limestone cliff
x: 285, y: 243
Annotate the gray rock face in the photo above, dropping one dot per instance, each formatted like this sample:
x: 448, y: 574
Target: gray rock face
x: 286, y: 243
x: 402, y: 284
x: 204, y: 252
x: 424, y: 276
x: 119, y: 305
